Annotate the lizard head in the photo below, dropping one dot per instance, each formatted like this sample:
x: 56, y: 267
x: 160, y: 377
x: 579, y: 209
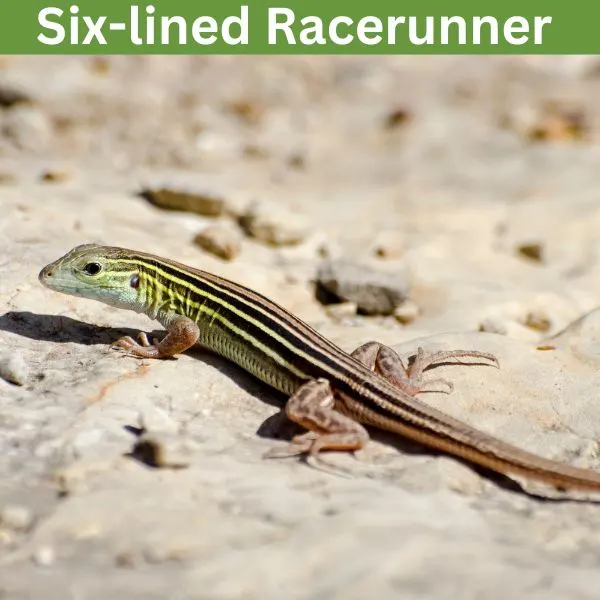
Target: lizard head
x: 95, y: 272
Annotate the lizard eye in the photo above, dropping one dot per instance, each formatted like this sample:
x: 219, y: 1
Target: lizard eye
x: 93, y: 268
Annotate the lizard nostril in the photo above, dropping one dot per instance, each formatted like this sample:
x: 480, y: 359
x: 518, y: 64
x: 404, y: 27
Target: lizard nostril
x: 45, y: 273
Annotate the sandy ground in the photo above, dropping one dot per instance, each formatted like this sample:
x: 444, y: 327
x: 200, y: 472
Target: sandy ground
x: 476, y: 176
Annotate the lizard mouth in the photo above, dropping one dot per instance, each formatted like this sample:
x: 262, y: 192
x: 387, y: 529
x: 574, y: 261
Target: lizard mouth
x: 52, y: 278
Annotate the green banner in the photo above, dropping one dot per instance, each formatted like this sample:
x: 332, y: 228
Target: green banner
x: 299, y: 27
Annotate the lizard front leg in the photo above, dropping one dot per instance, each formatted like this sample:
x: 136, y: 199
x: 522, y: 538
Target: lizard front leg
x: 409, y: 378
x: 312, y: 406
x: 182, y: 334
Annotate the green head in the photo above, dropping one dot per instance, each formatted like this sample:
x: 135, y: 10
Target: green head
x: 96, y: 272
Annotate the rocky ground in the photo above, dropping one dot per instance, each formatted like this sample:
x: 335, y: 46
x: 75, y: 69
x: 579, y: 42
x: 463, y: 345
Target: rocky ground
x: 450, y: 202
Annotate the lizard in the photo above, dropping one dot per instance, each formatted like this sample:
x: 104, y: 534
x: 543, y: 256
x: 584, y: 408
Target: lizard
x: 333, y: 394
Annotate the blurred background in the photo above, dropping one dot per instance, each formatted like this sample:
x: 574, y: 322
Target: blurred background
x: 404, y: 120
x: 473, y: 170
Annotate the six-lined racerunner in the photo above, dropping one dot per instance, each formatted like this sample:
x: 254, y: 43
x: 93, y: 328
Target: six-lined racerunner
x: 333, y: 394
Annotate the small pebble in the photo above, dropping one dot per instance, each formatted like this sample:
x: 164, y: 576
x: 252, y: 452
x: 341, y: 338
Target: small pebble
x: 13, y: 368
x: 397, y: 117
x: 374, y: 292
x: 247, y: 111
x: 297, y: 161
x: 560, y: 125
x: 52, y: 176
x: 100, y: 65
x: 532, y: 251
x: 507, y: 327
x: 10, y: 96
x: 221, y: 240
x: 6, y: 538
x: 186, y: 199
x: 44, y: 556
x: 526, y: 320
x: 7, y: 178
x: 166, y: 553
x: 255, y: 152
x: 538, y: 321
x: 125, y: 560
x: 28, y: 128
x: 549, y: 123
x: 407, y: 312
x: 16, y: 517
x: 164, y: 450
x: 342, y: 311
x: 273, y: 226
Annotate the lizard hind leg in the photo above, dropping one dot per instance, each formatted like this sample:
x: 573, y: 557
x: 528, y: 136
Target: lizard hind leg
x: 312, y: 406
x: 410, y: 378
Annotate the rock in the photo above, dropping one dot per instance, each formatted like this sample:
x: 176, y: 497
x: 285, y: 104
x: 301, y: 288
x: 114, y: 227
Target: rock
x: 164, y: 450
x: 407, y: 312
x: 222, y: 240
x: 548, y: 123
x: 273, y: 225
x: 13, y: 367
x: 375, y: 292
x: 7, y: 178
x: 397, y: 117
x: 532, y: 251
x: 44, y: 556
x: 342, y: 311
x: 297, y: 161
x: 16, y: 517
x: 248, y: 111
x: 28, y: 128
x: 185, y: 198
x: 11, y: 96
x: 55, y: 176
